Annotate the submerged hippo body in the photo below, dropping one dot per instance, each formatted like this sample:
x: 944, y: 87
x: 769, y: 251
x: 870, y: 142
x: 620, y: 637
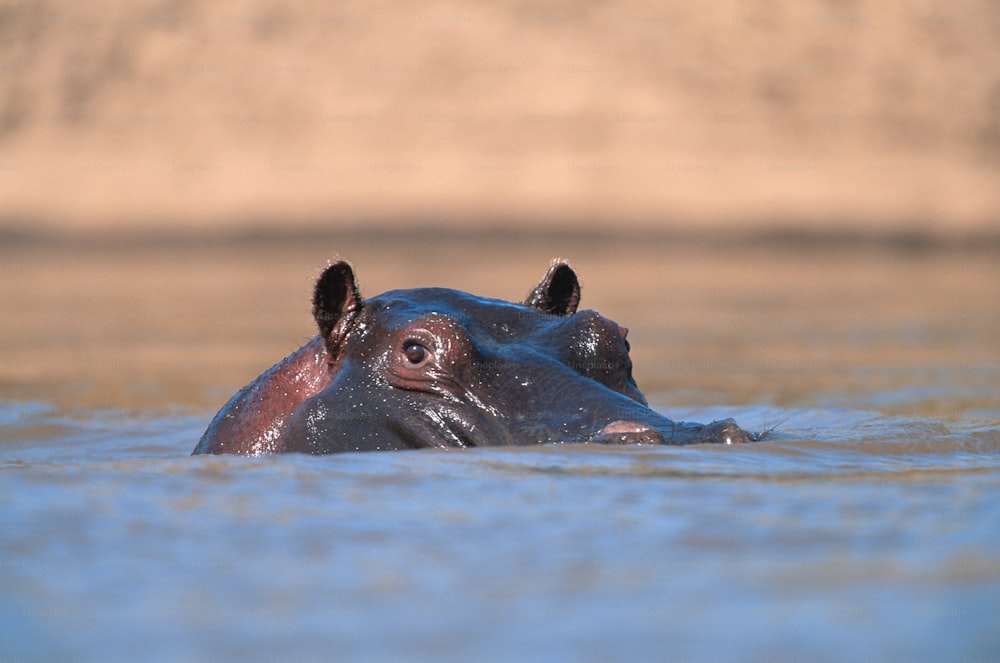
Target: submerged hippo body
x: 433, y: 367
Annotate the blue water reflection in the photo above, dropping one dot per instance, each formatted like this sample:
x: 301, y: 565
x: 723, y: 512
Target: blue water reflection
x: 849, y: 535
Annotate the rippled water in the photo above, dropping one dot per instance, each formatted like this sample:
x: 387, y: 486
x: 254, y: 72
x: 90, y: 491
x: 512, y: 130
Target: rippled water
x: 867, y: 527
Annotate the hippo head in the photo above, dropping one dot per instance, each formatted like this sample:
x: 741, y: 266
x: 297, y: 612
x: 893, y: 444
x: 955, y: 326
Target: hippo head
x: 433, y: 367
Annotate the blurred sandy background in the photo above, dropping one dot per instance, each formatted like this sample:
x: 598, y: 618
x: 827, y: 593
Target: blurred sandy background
x: 817, y: 116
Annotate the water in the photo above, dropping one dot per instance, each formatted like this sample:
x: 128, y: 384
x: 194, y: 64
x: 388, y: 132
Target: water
x: 866, y: 528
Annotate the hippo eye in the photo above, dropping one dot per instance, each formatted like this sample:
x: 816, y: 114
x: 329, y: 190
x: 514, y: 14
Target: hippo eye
x: 415, y: 353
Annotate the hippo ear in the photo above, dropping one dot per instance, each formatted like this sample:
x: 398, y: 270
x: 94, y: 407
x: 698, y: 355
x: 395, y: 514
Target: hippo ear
x: 559, y: 291
x: 336, y: 302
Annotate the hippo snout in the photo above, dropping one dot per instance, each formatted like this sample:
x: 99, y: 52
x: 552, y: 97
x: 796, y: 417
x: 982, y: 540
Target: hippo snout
x: 726, y: 431
x: 628, y: 432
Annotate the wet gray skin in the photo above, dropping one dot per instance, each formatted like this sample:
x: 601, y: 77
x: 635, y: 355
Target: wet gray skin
x: 434, y: 367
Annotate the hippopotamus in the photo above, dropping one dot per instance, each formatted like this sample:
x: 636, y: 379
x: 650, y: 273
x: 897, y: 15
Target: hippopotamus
x: 441, y: 368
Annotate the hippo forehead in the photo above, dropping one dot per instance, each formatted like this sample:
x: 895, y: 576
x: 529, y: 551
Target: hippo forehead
x: 590, y: 345
x: 396, y: 308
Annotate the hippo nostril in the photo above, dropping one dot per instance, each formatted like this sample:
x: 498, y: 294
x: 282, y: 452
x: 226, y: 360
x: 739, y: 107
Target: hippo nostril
x: 727, y: 431
x: 624, y: 427
x: 628, y: 432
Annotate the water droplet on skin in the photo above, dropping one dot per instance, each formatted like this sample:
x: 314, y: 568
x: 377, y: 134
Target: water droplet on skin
x: 318, y: 414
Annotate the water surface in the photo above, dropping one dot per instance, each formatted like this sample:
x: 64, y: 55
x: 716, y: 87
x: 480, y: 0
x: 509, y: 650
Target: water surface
x: 865, y: 528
